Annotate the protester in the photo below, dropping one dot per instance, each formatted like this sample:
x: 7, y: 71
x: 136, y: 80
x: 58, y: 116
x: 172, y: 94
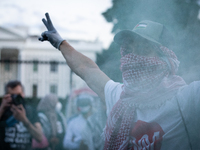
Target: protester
x: 73, y: 137
x: 52, y: 121
x: 93, y: 128
x: 153, y: 108
x: 71, y: 108
x: 17, y: 124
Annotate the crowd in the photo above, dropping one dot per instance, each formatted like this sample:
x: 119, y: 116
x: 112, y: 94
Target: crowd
x: 152, y: 109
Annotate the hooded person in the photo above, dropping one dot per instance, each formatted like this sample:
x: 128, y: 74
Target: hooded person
x: 154, y: 108
x: 52, y: 121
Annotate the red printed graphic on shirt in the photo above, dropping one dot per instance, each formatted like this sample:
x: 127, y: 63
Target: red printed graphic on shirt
x: 146, y: 136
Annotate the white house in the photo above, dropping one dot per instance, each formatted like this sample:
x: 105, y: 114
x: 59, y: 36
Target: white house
x: 40, y: 67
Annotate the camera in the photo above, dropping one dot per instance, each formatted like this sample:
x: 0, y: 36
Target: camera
x: 17, y: 99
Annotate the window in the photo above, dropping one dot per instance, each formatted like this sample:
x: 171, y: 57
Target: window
x: 34, y: 90
x: 53, y: 89
x: 7, y: 66
x: 53, y: 66
x: 35, y: 65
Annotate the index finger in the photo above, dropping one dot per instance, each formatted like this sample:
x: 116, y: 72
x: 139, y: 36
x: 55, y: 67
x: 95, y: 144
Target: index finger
x: 45, y: 23
x: 48, y: 22
x: 7, y: 97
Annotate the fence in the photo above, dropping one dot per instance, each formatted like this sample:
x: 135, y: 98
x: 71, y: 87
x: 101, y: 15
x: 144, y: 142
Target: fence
x: 38, y: 77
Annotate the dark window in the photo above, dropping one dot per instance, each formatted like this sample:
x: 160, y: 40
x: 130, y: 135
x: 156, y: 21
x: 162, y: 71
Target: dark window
x: 53, y: 89
x: 54, y: 66
x: 34, y: 91
x: 35, y: 66
x: 7, y: 66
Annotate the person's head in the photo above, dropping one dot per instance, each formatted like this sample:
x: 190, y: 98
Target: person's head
x: 145, y: 58
x: 144, y: 40
x: 14, y: 87
x: 48, y: 103
x: 84, y: 103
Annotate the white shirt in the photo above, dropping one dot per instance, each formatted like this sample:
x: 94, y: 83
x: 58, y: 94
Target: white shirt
x: 73, y: 137
x: 165, y: 123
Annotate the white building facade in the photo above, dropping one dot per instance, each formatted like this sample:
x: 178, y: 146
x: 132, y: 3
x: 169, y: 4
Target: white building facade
x: 39, y: 66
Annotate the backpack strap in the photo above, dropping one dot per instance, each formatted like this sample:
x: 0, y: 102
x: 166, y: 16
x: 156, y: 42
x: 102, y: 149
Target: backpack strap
x: 184, y: 124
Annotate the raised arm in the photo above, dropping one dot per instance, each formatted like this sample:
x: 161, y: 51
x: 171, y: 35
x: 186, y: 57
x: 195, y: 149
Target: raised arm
x: 80, y: 64
x: 85, y: 68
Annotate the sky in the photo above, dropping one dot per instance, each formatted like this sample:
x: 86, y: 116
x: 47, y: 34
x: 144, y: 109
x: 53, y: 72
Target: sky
x: 73, y: 19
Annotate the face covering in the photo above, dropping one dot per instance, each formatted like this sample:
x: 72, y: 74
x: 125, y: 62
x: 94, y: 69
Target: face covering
x: 84, y: 109
x: 145, y: 73
x: 142, y: 73
x: 58, y: 106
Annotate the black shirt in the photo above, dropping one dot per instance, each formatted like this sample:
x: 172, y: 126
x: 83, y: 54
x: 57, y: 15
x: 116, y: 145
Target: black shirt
x: 13, y: 134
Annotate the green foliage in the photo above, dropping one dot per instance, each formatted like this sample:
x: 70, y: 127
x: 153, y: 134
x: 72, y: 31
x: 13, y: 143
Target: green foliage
x: 179, y: 16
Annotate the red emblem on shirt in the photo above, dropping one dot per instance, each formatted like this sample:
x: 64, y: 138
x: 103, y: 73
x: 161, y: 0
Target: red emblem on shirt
x: 146, y: 136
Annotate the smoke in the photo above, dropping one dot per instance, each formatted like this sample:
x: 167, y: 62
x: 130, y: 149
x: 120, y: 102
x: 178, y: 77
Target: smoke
x: 179, y: 16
